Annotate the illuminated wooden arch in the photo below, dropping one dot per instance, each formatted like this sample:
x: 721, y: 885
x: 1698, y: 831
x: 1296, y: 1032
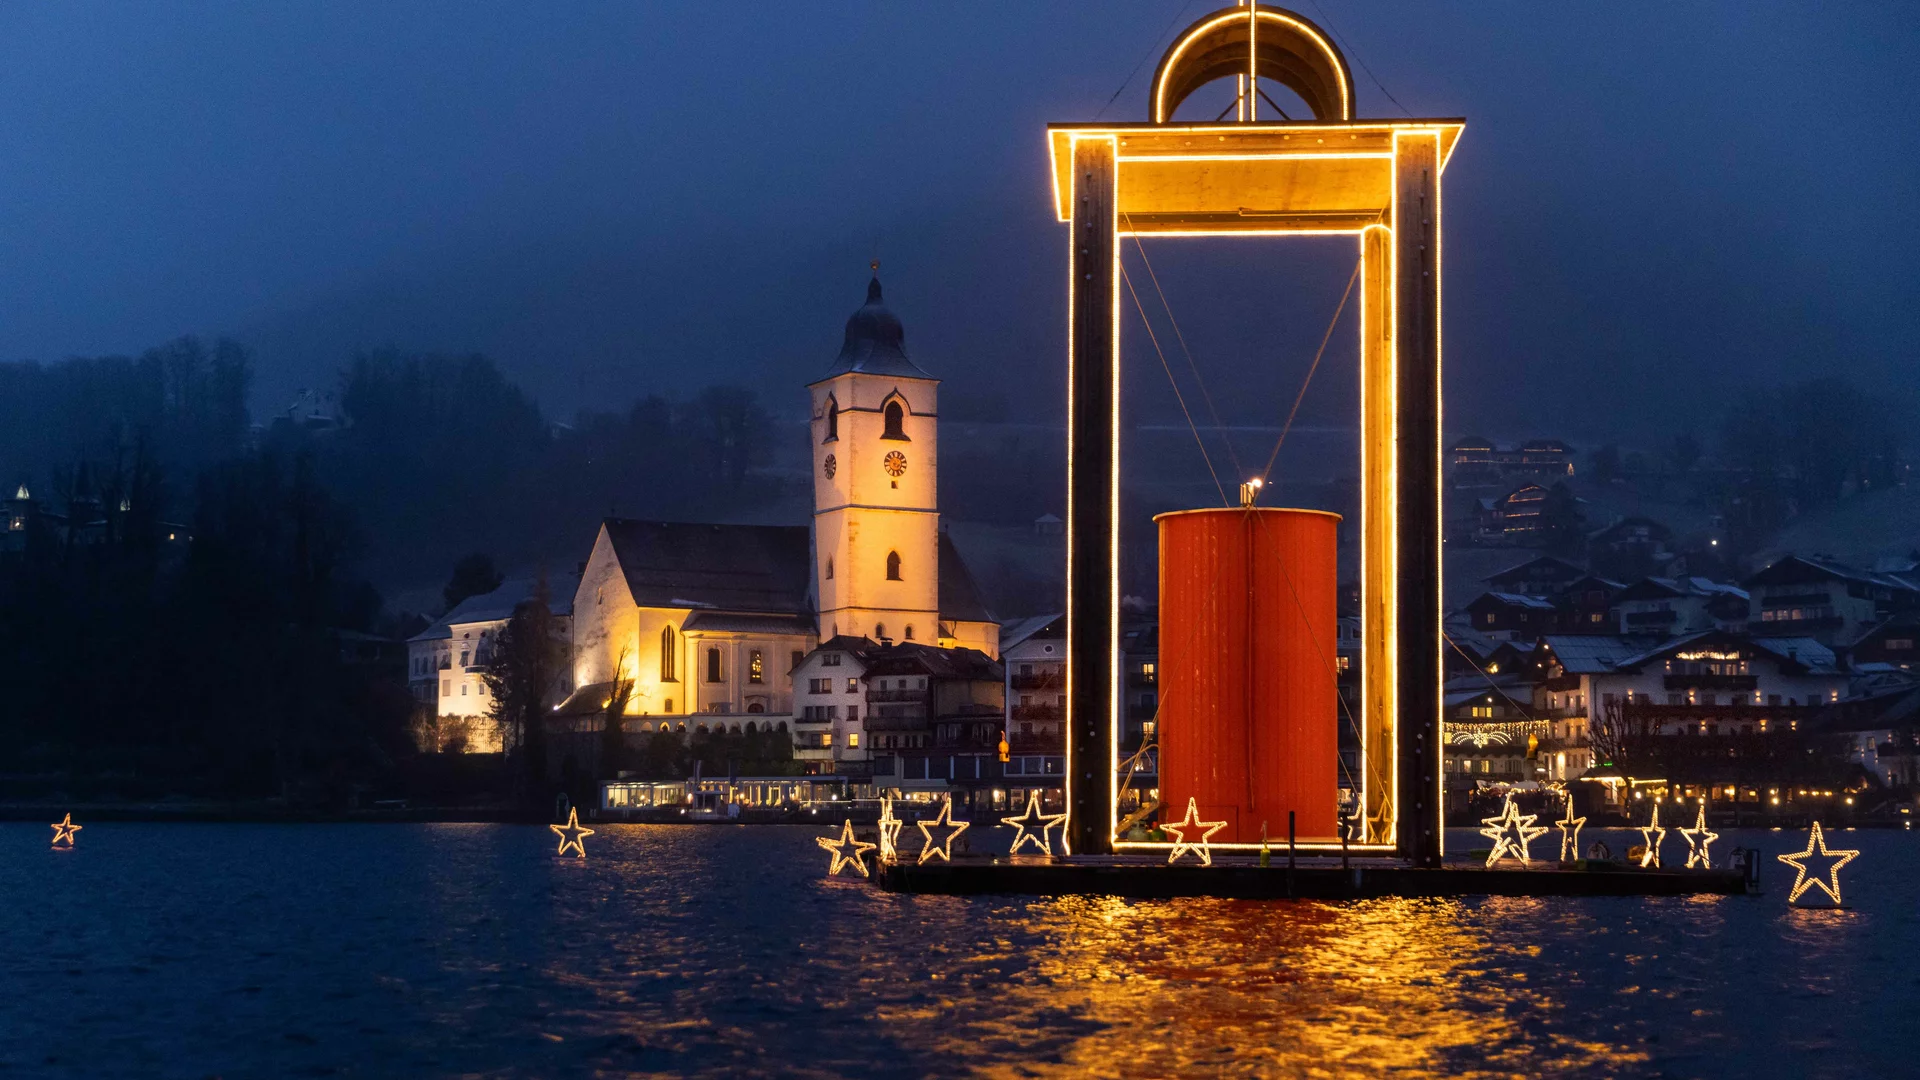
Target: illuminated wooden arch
x: 1277, y: 44
x: 1378, y: 181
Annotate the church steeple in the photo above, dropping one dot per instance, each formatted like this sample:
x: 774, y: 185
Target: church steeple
x: 876, y: 522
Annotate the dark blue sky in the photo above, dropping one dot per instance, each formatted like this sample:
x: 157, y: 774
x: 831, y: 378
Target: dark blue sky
x: 1651, y: 201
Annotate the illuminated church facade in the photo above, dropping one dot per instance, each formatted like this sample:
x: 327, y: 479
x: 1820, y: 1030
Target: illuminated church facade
x: 713, y: 623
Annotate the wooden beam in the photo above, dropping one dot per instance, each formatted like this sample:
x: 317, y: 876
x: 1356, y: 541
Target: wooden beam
x: 1416, y: 347
x: 1379, y: 503
x: 1093, y: 503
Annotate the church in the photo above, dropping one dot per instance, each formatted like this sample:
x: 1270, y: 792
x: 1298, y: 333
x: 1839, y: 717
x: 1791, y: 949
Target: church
x: 721, y: 627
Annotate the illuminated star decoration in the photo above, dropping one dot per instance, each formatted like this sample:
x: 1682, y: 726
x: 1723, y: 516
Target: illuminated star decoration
x: 1698, y: 838
x: 63, y: 831
x: 944, y: 849
x: 1570, y: 833
x: 572, y: 833
x: 839, y: 849
x: 1652, y: 834
x: 1191, y: 824
x: 1032, y: 826
x: 890, y: 827
x: 1512, y: 833
x: 1817, y: 849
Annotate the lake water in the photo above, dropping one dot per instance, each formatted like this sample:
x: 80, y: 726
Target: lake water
x: 159, y: 950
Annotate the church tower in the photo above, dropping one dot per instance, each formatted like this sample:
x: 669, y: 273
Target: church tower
x: 876, y: 523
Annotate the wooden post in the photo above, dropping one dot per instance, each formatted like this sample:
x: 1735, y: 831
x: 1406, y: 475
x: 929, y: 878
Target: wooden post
x: 1093, y: 499
x: 1416, y: 347
x: 1379, y: 502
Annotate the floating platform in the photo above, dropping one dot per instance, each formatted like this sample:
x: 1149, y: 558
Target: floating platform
x: 1143, y: 880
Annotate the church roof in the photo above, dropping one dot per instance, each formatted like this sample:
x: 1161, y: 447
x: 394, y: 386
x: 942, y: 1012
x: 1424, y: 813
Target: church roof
x: 501, y: 603
x: 876, y: 342
x: 960, y: 599
x: 759, y: 568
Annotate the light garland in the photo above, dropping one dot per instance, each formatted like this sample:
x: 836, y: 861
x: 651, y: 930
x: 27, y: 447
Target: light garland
x: 838, y: 848
x: 1651, y: 833
x: 1698, y: 838
x: 1570, y: 833
x: 1192, y: 823
x: 944, y: 849
x: 1025, y: 824
x: 572, y: 833
x: 1817, y: 848
x: 63, y: 831
x: 890, y: 827
x: 1512, y: 833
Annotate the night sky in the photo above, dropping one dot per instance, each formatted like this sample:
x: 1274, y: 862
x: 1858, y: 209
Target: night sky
x: 1651, y: 202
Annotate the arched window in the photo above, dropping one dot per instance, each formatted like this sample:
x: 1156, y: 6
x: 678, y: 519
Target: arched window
x: 833, y: 419
x: 909, y: 631
x: 829, y: 568
x: 665, y: 727
x: 750, y: 728
x: 880, y: 631
x: 667, y: 649
x: 755, y: 707
x: 893, y: 566
x: 896, y: 422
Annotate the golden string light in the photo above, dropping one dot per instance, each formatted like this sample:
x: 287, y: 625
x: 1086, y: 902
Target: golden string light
x: 890, y: 827
x: 1570, y: 833
x: 1698, y: 838
x: 1652, y: 834
x: 1027, y: 823
x: 944, y: 849
x: 63, y: 831
x: 1191, y: 824
x: 838, y: 848
x: 1512, y: 833
x: 1817, y: 849
x: 572, y: 833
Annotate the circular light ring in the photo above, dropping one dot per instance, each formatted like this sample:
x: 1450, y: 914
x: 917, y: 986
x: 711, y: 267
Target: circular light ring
x: 1290, y: 50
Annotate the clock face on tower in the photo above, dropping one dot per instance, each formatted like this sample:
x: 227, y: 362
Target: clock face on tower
x: 895, y: 463
x: 830, y: 465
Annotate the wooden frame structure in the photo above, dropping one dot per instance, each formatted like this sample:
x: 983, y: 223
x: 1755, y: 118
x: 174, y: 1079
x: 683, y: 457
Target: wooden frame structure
x: 1375, y: 180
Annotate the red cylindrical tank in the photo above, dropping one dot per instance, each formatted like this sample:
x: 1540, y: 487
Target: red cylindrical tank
x: 1248, y: 687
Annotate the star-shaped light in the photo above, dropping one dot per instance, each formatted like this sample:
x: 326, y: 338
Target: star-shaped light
x: 944, y: 849
x: 839, y: 849
x: 1651, y: 833
x: 572, y: 833
x: 1817, y: 849
x: 63, y: 831
x: 1698, y: 838
x: 890, y: 827
x: 1192, y: 824
x: 1512, y: 833
x: 1570, y: 833
x: 1026, y: 824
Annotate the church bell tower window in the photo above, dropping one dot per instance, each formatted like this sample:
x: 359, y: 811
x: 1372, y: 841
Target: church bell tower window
x: 893, y: 566
x: 896, y: 421
x: 833, y: 421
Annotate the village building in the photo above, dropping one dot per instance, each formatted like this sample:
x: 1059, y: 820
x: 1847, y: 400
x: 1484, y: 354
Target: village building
x: 1817, y: 597
x: 1476, y: 461
x: 830, y: 696
x: 446, y: 662
x: 1678, y: 607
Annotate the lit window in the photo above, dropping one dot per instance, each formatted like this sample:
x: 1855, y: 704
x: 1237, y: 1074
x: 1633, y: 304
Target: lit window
x: 756, y: 666
x: 853, y: 685
x: 667, y: 650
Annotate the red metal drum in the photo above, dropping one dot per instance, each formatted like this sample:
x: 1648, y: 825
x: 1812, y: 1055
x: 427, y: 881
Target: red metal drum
x: 1249, y: 691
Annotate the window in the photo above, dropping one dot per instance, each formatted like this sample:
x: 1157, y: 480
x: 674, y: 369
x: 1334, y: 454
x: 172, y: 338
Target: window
x: 853, y: 685
x: 463, y: 689
x: 832, y: 659
x: 756, y: 666
x: 829, y: 568
x: 1899, y: 643
x: 668, y: 646
x: 853, y: 740
x: 893, y: 566
x: 896, y: 421
x: 833, y: 712
x: 853, y: 713
x: 880, y: 631
x: 833, y: 423
x: 796, y: 656
x: 666, y: 706
x: 713, y: 664
x: 909, y: 631
x: 1147, y: 671
x: 446, y: 688
x: 1026, y: 669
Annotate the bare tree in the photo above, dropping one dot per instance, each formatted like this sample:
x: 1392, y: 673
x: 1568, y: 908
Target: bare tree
x: 613, y: 726
x: 529, y: 657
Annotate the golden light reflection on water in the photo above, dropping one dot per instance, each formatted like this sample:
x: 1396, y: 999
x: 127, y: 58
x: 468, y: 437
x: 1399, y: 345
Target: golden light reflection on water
x: 1301, y: 989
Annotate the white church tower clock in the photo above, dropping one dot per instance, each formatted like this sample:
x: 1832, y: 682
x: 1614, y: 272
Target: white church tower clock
x: 875, y: 461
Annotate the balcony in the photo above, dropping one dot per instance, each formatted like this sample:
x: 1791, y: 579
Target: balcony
x: 1043, y: 713
x: 878, y: 696
x: 1712, y: 682
x: 1037, y: 743
x: 1039, y: 680
x: 1643, y: 621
